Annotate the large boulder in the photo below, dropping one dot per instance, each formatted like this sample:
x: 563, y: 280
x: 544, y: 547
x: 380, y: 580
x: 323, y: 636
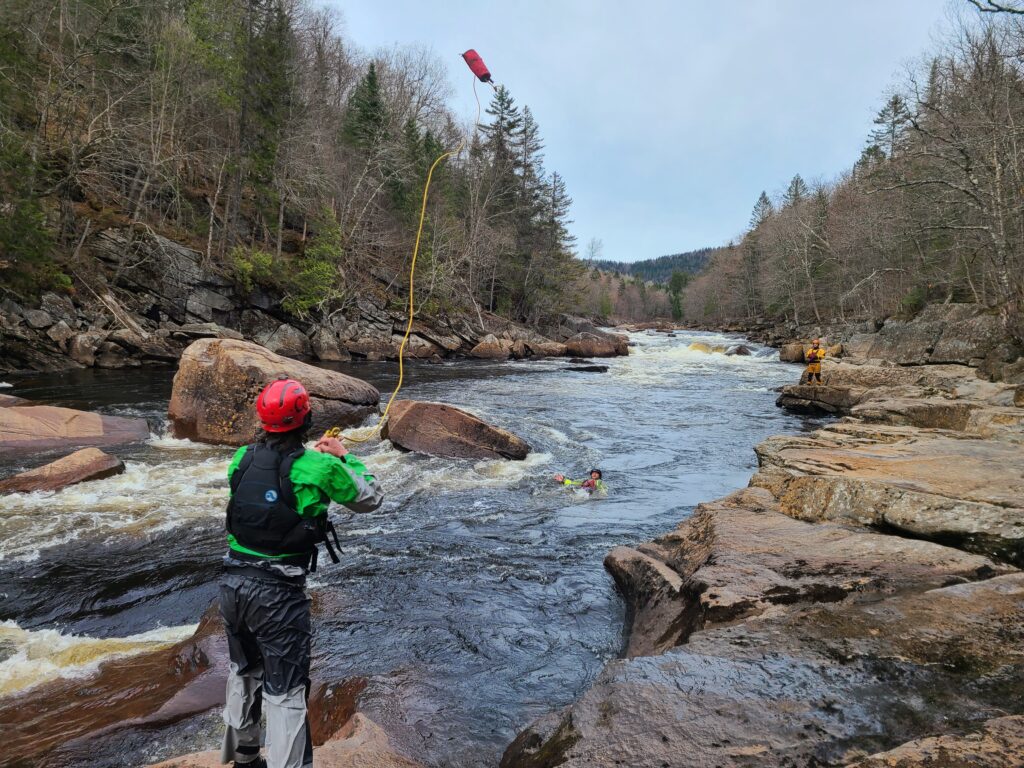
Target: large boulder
x: 492, y: 348
x: 326, y: 347
x: 78, y: 467
x: 218, y: 380
x: 597, y: 344
x: 441, y: 430
x: 791, y: 353
x: 740, y: 556
x: 941, y: 485
x: 31, y: 428
x: 288, y: 341
x: 800, y: 685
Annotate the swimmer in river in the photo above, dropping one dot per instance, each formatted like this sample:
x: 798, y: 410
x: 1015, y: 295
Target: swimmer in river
x: 591, y: 484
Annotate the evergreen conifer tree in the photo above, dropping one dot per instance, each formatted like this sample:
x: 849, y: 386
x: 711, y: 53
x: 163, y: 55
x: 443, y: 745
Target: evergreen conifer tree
x: 763, y: 210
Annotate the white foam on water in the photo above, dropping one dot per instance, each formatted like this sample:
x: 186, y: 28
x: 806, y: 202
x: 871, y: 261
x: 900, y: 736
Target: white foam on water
x: 5, y: 385
x: 32, y: 657
x: 145, y: 497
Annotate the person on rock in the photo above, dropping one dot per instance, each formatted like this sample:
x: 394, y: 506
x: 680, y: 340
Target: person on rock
x: 276, y: 518
x: 814, y: 356
x: 590, y: 485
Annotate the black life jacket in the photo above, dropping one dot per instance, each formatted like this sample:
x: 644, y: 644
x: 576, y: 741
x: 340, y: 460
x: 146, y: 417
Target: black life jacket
x: 262, y: 513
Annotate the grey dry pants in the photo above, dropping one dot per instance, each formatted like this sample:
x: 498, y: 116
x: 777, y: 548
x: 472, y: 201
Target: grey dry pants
x: 269, y: 634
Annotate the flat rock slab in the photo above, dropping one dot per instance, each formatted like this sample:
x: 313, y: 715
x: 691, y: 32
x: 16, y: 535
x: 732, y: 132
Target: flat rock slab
x: 935, y: 484
x: 78, y: 467
x: 7, y: 401
x: 360, y: 743
x: 999, y: 743
x: 214, y: 392
x: 32, y: 428
x: 441, y: 430
x: 800, y: 686
x: 740, y: 556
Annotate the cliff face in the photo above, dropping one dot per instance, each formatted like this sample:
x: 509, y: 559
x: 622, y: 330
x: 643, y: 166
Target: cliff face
x: 142, y: 299
x: 859, y: 605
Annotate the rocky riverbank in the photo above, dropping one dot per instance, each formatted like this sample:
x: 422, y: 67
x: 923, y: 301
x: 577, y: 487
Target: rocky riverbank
x: 141, y: 299
x: 860, y: 604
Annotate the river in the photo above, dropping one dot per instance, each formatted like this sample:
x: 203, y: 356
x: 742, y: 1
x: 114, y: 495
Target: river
x: 473, y: 602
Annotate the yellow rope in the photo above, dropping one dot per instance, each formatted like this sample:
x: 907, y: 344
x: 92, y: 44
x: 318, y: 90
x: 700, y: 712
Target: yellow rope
x: 336, y: 431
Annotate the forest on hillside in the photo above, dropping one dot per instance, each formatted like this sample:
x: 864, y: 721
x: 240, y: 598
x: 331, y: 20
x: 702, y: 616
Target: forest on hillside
x: 255, y: 132
x: 932, y: 211
x: 660, y: 269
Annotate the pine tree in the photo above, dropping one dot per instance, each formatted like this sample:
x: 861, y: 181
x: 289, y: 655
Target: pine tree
x: 763, y: 210
x: 796, y: 192
x: 366, y: 116
x: 892, y: 121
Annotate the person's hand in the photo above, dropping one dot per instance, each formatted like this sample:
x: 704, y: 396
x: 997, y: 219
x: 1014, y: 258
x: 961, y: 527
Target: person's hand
x: 331, y: 445
x: 559, y: 478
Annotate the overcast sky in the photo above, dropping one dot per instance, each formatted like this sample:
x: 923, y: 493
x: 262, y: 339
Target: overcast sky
x: 667, y: 119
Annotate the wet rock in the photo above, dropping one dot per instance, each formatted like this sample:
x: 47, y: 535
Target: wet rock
x: 998, y: 743
x: 360, y: 743
x: 597, y: 344
x: 7, y: 401
x: 941, y: 485
x: 217, y: 382
x: 738, y: 349
x: 741, y: 556
x: 78, y: 467
x: 82, y: 347
x: 441, y: 430
x: 588, y: 368
x: 38, y: 319
x: 546, y: 348
x: 520, y: 350
x: 803, y: 685
x: 149, y: 346
x: 31, y: 428
x: 492, y: 348
x: 818, y: 399
x: 416, y: 347
x: 111, y: 355
x: 287, y: 341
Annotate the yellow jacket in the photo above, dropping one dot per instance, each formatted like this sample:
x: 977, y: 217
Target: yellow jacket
x: 815, y: 354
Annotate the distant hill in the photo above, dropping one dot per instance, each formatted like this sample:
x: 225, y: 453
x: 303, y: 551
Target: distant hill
x: 659, y: 270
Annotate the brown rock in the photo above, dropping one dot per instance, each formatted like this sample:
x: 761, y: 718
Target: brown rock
x: 819, y: 398
x: 60, y: 333
x: 326, y: 347
x: 360, y: 743
x: 597, y: 344
x: 546, y: 348
x: 999, y: 743
x: 38, y: 319
x: 78, y: 467
x: 30, y: 428
x: 7, y: 401
x: 492, y: 348
x: 217, y: 382
x: 740, y: 556
x: 792, y: 353
x: 441, y: 430
x: 933, y: 484
x: 798, y: 686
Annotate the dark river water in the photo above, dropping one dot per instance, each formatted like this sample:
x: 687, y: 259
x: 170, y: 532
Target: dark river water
x: 474, y: 601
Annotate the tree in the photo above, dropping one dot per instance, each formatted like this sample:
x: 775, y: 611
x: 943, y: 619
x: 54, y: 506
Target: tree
x: 763, y: 210
x: 366, y: 117
x: 893, y: 121
x: 795, y: 192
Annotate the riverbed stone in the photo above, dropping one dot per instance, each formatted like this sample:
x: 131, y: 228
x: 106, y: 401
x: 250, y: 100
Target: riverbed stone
x: 214, y: 392
x: 800, y: 685
x: 82, y: 347
x: 442, y: 430
x: 492, y: 348
x: 78, y: 467
x: 288, y: 341
x: 60, y: 333
x: 32, y: 428
x: 38, y: 319
x: 325, y: 345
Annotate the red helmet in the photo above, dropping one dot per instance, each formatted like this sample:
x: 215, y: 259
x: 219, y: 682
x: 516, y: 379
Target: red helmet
x: 282, y: 405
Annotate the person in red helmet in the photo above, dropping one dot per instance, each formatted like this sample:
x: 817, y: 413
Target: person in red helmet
x: 276, y: 518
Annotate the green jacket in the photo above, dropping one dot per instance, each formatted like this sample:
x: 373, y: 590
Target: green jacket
x: 587, y: 485
x: 317, y: 479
